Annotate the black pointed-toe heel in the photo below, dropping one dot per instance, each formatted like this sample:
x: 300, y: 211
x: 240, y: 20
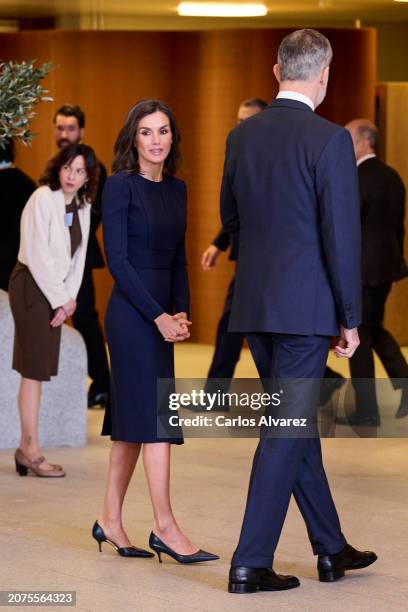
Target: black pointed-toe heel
x: 124, y: 551
x: 160, y: 547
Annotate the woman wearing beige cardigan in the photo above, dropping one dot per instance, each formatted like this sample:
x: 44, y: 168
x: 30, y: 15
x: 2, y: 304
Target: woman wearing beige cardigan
x: 44, y: 285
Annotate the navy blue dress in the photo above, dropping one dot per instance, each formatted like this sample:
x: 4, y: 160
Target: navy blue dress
x: 144, y: 226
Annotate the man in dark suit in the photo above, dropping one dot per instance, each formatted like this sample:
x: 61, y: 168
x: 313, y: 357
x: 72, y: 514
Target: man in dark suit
x: 69, y: 124
x: 290, y: 189
x: 228, y: 345
x: 382, y: 198
x: 15, y: 189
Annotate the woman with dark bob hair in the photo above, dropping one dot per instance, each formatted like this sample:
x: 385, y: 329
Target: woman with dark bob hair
x: 144, y: 224
x: 44, y: 285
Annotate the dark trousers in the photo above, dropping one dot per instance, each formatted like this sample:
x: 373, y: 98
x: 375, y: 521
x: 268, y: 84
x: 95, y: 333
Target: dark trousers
x: 86, y: 321
x: 283, y: 466
x: 228, y: 345
x: 373, y: 337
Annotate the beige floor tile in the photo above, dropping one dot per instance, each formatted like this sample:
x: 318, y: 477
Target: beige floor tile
x: 45, y: 541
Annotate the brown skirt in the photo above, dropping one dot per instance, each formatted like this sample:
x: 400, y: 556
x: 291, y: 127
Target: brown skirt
x: 36, y: 343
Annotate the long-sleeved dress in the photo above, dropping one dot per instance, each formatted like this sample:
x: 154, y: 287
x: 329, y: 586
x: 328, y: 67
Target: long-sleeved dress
x: 144, y: 225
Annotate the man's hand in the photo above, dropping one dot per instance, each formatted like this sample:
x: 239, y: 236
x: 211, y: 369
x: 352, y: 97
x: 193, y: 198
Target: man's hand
x: 348, y: 342
x: 209, y: 257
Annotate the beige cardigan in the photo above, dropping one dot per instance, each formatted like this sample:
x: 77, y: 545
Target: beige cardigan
x: 45, y: 245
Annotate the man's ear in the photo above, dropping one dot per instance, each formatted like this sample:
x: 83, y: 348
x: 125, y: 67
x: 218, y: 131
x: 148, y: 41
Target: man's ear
x: 276, y: 72
x: 324, y: 75
x: 81, y: 134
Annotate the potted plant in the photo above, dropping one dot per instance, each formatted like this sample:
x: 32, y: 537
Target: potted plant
x: 20, y: 92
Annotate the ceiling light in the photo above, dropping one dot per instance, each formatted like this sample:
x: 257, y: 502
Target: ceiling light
x: 221, y: 9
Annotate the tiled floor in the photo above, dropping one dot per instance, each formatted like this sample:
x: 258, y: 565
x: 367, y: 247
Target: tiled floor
x: 45, y: 525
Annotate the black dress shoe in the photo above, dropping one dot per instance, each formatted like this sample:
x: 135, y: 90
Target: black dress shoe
x: 357, y: 420
x: 403, y: 407
x: 97, y: 399
x: 160, y: 547
x: 124, y: 551
x: 332, y: 567
x: 252, y: 579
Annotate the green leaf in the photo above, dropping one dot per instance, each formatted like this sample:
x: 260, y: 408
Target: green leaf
x: 20, y: 91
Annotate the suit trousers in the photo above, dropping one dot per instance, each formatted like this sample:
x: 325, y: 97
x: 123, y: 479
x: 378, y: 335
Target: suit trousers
x: 86, y: 321
x: 286, y: 466
x: 228, y: 345
x: 373, y: 336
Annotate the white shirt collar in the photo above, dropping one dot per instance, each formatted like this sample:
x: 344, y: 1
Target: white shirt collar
x: 294, y: 95
x: 5, y: 164
x: 364, y: 158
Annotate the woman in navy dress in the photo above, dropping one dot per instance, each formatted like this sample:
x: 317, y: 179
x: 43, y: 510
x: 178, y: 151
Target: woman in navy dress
x: 144, y: 223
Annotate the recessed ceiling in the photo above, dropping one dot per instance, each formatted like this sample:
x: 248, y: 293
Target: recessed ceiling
x: 292, y: 11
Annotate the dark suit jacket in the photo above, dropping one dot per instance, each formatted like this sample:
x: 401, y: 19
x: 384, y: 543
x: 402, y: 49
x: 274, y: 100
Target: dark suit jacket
x: 15, y: 189
x: 223, y: 240
x: 290, y: 189
x: 382, y: 196
x: 94, y: 257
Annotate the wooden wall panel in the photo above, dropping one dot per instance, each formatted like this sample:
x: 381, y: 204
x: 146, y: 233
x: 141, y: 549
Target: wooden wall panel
x: 392, y: 120
x: 353, y: 75
x: 203, y: 76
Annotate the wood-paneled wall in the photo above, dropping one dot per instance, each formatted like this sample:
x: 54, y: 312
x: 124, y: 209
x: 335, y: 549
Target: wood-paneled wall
x: 392, y: 119
x: 203, y: 76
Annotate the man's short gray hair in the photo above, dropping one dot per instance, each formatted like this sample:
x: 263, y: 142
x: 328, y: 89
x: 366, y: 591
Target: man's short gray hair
x: 368, y: 132
x: 302, y: 54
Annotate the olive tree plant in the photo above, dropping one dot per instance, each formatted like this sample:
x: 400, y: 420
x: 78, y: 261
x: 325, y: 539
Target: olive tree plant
x: 20, y: 92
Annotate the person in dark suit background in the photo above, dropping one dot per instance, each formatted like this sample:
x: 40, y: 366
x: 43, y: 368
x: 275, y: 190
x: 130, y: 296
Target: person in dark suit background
x: 228, y: 345
x: 69, y: 125
x: 290, y: 191
x: 382, y: 198
x: 15, y: 189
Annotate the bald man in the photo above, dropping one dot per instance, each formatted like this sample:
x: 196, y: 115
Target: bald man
x: 382, y: 196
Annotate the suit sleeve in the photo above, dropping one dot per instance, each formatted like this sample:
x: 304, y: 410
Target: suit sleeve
x: 401, y: 224
x: 338, y: 196
x: 115, y: 204
x: 181, y: 296
x: 222, y: 240
x: 228, y: 204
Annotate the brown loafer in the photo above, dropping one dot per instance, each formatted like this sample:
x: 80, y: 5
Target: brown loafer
x: 23, y: 464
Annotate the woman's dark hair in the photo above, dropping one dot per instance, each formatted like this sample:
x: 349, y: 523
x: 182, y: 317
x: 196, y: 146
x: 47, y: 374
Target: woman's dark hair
x: 126, y: 157
x: 65, y: 156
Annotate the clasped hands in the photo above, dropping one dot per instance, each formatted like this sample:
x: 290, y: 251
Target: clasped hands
x: 62, y: 313
x: 173, y: 328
